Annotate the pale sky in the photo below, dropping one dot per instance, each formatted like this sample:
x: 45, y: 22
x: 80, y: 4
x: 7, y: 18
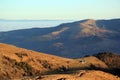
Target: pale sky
x: 59, y: 9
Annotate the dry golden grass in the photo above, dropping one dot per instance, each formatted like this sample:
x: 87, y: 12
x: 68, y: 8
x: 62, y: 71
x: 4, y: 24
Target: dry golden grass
x: 12, y: 57
x: 16, y: 63
x: 81, y: 75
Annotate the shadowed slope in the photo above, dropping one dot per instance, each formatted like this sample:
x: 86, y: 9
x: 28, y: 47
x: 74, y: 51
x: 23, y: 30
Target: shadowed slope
x: 112, y: 60
x: 75, y: 39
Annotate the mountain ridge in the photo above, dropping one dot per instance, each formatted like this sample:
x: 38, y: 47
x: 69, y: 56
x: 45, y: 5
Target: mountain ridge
x: 81, y: 38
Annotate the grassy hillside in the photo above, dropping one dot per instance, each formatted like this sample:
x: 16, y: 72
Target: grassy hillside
x: 21, y: 64
x: 112, y: 60
x: 18, y: 62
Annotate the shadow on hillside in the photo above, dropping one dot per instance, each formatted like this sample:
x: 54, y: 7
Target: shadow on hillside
x: 114, y: 71
x: 64, y: 70
x: 112, y: 60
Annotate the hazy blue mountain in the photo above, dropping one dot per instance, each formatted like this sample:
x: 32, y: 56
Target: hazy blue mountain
x: 74, y: 39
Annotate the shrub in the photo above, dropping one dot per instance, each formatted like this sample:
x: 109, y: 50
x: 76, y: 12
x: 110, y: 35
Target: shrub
x: 26, y: 67
x: 45, y: 64
x: 7, y: 60
x: 21, y: 55
x: 62, y: 69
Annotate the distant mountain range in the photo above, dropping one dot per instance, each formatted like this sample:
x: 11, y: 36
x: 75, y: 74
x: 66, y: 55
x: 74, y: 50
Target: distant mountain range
x: 76, y: 39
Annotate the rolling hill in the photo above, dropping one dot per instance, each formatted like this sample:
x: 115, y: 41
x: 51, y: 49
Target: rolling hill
x: 22, y: 64
x: 76, y: 39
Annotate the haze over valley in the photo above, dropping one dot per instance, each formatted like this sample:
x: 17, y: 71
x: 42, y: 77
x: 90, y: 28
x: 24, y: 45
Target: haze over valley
x: 8, y: 25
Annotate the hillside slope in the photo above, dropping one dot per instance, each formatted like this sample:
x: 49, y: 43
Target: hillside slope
x: 18, y: 62
x: 112, y: 60
x: 75, y: 39
x: 82, y: 75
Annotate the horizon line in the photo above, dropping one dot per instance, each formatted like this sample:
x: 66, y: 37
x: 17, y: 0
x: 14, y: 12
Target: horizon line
x: 54, y: 19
